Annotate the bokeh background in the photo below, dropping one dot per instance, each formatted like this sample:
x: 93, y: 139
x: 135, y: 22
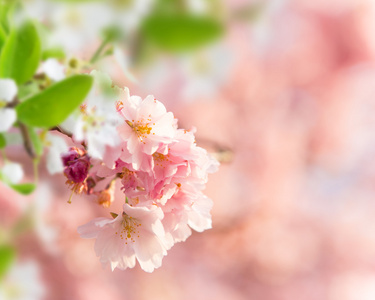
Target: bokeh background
x: 283, y: 93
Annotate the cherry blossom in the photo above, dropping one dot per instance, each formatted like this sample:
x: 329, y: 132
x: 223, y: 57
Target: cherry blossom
x: 147, y: 127
x: 135, y: 234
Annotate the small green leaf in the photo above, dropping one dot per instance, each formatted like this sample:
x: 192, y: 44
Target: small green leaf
x: 114, y: 215
x: 35, y: 139
x: 53, y: 105
x: 21, y: 53
x: 57, y: 53
x: 28, y: 89
x: 7, y: 257
x: 6, y: 11
x: 3, y: 141
x: 181, y: 32
x: 23, y: 188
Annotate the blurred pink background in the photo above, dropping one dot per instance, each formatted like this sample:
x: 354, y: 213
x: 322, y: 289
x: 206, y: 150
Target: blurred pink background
x: 289, y: 108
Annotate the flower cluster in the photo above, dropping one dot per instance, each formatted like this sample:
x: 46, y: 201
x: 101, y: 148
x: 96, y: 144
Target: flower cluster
x: 162, y: 173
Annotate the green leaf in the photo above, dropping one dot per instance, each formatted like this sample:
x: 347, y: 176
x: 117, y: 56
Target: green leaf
x: 3, y: 141
x: 57, y: 53
x: 35, y: 139
x: 112, y: 33
x: 181, y: 32
x: 6, y: 11
x: 21, y: 53
x: 7, y: 257
x: 23, y: 188
x: 28, y: 89
x: 3, y: 37
x: 53, y: 105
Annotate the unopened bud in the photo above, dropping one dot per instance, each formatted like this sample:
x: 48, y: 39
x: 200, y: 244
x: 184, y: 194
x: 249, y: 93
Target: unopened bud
x: 107, y: 196
x: 77, y: 165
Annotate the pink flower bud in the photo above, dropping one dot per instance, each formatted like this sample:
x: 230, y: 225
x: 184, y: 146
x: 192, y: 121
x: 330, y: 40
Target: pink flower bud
x: 76, y: 164
x: 77, y: 171
x: 71, y: 156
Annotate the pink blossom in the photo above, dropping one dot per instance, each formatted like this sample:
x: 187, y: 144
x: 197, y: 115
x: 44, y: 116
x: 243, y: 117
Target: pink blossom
x: 162, y: 173
x: 147, y: 127
x: 136, y: 234
x: 165, y: 173
x: 186, y: 210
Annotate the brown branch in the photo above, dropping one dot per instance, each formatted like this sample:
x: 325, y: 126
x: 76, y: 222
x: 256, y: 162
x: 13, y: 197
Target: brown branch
x: 68, y: 134
x: 64, y: 132
x: 26, y: 140
x: 24, y: 132
x: 13, y: 103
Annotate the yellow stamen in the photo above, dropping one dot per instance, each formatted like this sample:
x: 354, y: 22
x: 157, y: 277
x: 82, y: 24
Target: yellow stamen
x: 129, y: 228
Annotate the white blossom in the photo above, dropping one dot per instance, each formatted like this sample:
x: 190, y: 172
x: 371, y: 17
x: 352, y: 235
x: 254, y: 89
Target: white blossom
x: 8, y: 90
x: 12, y: 172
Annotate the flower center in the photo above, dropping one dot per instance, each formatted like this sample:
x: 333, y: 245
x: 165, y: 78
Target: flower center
x: 141, y: 128
x: 90, y: 118
x: 160, y: 159
x: 129, y: 228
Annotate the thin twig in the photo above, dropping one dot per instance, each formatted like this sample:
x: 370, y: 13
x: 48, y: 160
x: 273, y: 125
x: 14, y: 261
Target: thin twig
x: 98, y: 51
x: 26, y: 140
x: 13, y: 103
x: 68, y: 134
x: 64, y: 132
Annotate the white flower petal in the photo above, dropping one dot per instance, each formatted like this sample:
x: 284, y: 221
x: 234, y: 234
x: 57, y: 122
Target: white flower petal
x: 12, y: 172
x: 8, y: 89
x: 53, y: 69
x: 58, y: 146
x: 7, y: 118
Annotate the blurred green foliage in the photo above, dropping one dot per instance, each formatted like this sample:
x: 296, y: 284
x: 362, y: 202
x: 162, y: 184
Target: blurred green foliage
x: 21, y: 53
x: 3, y: 141
x: 182, y: 32
x: 7, y: 257
x: 23, y: 188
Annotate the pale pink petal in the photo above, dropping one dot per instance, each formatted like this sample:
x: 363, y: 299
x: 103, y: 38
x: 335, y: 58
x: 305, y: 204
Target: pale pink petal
x: 163, y: 127
x: 199, y: 216
x: 131, y: 105
x: 152, y: 108
x: 91, y: 229
x: 149, y: 251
